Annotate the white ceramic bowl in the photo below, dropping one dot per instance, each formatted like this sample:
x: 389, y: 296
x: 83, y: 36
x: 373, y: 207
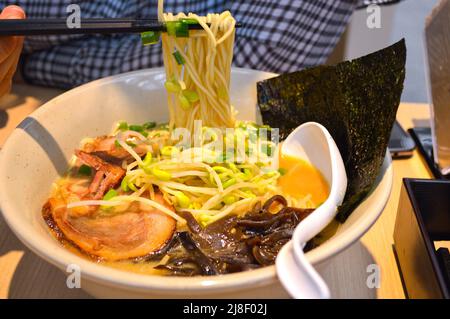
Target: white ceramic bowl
x: 38, y: 150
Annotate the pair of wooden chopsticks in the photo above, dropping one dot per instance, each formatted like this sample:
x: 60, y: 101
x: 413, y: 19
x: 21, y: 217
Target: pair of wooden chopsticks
x: 88, y: 26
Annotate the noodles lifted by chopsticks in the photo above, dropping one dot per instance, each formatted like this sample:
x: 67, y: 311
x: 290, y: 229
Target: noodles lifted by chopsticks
x: 198, y: 68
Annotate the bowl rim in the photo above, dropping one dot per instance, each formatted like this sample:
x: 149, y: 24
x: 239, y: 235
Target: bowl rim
x: 132, y: 281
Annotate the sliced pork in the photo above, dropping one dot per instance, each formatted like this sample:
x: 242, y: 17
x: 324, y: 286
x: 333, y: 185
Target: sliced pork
x: 136, y: 232
x: 107, y: 175
x: 107, y: 149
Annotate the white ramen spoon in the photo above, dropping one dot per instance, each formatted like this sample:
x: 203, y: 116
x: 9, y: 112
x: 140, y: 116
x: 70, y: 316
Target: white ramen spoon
x: 312, y: 142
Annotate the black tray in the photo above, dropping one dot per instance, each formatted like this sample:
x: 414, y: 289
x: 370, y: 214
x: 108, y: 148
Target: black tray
x: 423, y: 217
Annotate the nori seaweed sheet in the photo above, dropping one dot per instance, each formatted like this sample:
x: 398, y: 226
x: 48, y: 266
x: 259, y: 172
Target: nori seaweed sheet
x: 356, y: 101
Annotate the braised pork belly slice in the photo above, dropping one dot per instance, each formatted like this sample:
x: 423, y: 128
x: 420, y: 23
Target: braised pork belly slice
x: 137, y: 231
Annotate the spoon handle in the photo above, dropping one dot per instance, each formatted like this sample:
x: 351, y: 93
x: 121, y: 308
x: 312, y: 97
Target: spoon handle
x: 298, y: 276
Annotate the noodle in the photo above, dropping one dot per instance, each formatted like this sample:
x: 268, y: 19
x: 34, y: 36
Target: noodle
x: 207, y: 56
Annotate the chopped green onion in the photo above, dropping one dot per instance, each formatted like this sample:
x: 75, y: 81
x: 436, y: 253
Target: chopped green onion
x: 191, y: 96
x: 117, y: 144
x: 179, y: 58
x: 171, y: 28
x: 123, y: 126
x: 84, y: 170
x: 110, y: 194
x: 136, y: 128
x: 124, y: 184
x: 282, y: 171
x: 150, y: 37
x: 189, y: 21
x: 184, y: 102
x: 179, y: 29
x: 149, y: 125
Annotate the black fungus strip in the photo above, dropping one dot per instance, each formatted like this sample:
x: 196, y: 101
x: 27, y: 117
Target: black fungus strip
x: 274, y: 199
x: 207, y: 266
x: 234, y: 244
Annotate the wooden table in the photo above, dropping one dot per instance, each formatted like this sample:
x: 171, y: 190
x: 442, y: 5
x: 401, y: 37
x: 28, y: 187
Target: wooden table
x: 24, y: 275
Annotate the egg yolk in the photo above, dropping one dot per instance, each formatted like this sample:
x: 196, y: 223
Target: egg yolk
x: 301, y: 179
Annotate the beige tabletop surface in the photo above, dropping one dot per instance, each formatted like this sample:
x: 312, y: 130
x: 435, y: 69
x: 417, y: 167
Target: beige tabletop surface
x: 24, y: 275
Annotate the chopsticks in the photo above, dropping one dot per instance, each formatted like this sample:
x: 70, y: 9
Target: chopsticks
x: 88, y: 26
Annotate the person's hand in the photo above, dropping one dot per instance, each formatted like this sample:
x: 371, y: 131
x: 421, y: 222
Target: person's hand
x: 10, y: 48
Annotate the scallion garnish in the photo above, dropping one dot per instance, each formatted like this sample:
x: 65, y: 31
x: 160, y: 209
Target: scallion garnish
x: 150, y: 37
x: 171, y: 28
x: 85, y: 170
x: 179, y: 29
x: 136, y: 128
x: 182, y: 30
x: 123, y: 126
x: 110, y: 194
x: 149, y: 125
x: 131, y: 144
x: 179, y: 58
x: 189, y: 21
